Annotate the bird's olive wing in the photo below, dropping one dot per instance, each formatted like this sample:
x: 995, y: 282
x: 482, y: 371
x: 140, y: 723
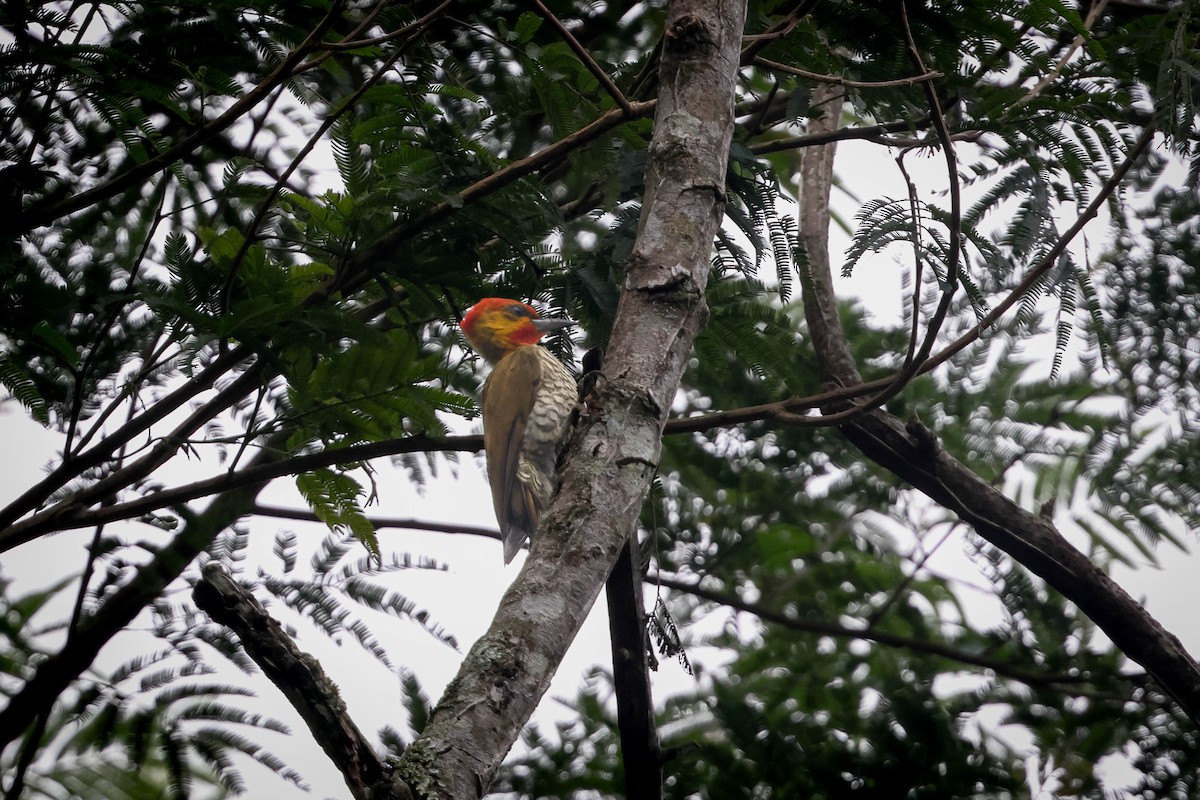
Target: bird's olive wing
x: 508, y: 399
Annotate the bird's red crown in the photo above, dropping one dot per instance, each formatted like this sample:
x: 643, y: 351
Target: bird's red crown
x: 495, y: 326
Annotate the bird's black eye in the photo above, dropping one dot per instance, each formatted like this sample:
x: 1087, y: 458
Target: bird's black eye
x: 519, y: 312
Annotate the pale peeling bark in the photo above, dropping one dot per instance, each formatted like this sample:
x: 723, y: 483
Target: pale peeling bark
x: 614, y: 452
x: 912, y: 453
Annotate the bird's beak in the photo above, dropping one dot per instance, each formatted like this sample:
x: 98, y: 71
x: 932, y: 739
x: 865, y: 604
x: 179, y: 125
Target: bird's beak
x: 551, y: 325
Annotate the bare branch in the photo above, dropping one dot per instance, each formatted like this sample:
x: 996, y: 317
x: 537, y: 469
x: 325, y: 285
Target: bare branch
x: 69, y: 517
x: 298, y: 676
x: 820, y: 306
x: 348, y: 42
x: 1025, y: 674
x: 955, y: 240
x: 813, y: 138
x: 914, y: 455
x: 1093, y: 16
x: 640, y: 752
x: 37, y: 215
x: 786, y: 24
x: 380, y: 523
x: 840, y: 81
x: 1048, y: 259
x: 55, y: 673
x: 75, y: 465
x: 166, y: 448
x: 586, y: 57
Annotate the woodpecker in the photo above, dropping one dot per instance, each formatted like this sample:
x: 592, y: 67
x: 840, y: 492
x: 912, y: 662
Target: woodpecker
x: 527, y: 405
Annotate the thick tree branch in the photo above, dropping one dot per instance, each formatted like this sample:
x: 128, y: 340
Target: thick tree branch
x: 299, y: 677
x: 913, y: 455
x: 1035, y: 543
x: 816, y: 177
x: 613, y: 456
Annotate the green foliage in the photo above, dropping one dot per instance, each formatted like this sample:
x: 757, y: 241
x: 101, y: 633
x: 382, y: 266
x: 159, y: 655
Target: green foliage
x: 334, y: 497
x: 153, y: 259
x: 128, y: 735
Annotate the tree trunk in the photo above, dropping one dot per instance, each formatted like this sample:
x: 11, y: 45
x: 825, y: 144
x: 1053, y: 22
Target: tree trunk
x: 614, y: 452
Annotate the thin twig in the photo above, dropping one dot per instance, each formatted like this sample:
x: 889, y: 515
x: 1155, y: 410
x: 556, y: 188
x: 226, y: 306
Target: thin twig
x: 1049, y: 78
x: 898, y: 592
x: 380, y: 523
x: 264, y: 208
x: 586, y: 57
x: 642, y: 85
x: 786, y: 24
x: 153, y: 356
x: 333, y: 48
x: 760, y: 122
x: 37, y: 216
x: 56, y: 672
x: 938, y: 116
x: 103, y: 450
x: 385, y: 248
x: 66, y: 518
x: 914, y: 205
x: 348, y: 42
x: 102, y: 330
x: 1048, y: 259
x: 869, y: 133
x: 250, y: 432
x: 825, y: 628
x: 840, y: 81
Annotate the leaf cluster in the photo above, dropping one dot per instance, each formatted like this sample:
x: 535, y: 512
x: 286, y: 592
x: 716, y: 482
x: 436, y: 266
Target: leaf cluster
x: 300, y: 312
